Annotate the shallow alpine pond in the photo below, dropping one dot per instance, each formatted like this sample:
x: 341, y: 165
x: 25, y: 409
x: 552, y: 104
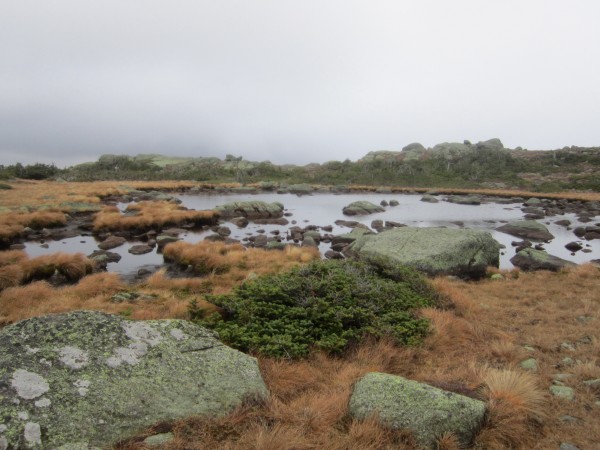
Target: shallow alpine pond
x: 323, y: 210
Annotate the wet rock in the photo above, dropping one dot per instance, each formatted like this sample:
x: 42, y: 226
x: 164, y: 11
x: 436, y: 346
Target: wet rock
x: 309, y: 242
x: 429, y: 199
x: 563, y: 222
x: 164, y: 239
x: 251, y: 210
x: 377, y: 225
x: 528, y: 229
x: 573, y: 246
x: 465, y: 199
x: 300, y: 189
x: 347, y: 223
x: 113, y: 377
x: 111, y: 242
x: 531, y: 260
x: 427, y: 411
x: 105, y: 255
x: 394, y: 203
x: 361, y: 208
x: 332, y: 254
x: 223, y: 231
x: 384, y: 203
x: 140, y: 249
x: 18, y: 247
x: 261, y: 241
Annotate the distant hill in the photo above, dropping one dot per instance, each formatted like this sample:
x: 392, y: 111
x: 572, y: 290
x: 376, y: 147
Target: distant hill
x: 486, y: 164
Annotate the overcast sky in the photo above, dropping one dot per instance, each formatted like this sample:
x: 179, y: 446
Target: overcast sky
x: 293, y: 81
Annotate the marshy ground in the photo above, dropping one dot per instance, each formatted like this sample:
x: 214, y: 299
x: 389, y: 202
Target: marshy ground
x: 478, y: 339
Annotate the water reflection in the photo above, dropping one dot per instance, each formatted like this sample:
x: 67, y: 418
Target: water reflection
x: 324, y: 209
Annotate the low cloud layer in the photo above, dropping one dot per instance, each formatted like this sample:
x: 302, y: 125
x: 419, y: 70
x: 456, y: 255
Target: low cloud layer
x: 293, y: 81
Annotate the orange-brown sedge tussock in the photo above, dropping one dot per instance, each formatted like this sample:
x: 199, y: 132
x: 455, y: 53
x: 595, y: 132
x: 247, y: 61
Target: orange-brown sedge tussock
x: 148, y: 215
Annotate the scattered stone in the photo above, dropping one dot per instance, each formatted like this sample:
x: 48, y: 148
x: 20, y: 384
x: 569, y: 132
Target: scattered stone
x: 530, y: 260
x: 594, y: 384
x: 563, y: 222
x: 394, y: 203
x: 568, y: 446
x: 250, y: 210
x: 260, y: 241
x: 563, y: 392
x: 361, y: 208
x: 332, y: 254
x: 309, y: 242
x: 383, y: 203
x: 240, y: 222
x: 465, y: 199
x: 529, y: 364
x: 223, y: 231
x: 429, y: 199
x: 527, y: 229
x: 573, y: 246
x: 427, y: 411
x: 164, y: 239
x: 140, y: 249
x: 112, y: 242
x: 158, y: 439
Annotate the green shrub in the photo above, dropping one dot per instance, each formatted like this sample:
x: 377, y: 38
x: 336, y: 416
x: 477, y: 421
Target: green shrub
x: 326, y: 305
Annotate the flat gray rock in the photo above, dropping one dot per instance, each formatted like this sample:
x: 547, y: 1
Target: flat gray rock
x: 427, y: 411
x: 530, y: 260
x: 436, y: 251
x: 250, y: 210
x: 91, y: 379
x: 527, y: 229
x: 362, y: 208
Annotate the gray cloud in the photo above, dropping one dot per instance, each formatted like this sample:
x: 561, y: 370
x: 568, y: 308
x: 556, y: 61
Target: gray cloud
x: 292, y: 81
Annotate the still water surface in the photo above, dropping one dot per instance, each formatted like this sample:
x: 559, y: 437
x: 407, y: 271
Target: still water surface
x: 325, y: 209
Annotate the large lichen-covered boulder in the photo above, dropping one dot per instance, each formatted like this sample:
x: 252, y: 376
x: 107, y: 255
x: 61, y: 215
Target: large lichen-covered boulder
x: 530, y: 260
x: 436, y: 251
x: 251, y: 210
x: 90, y: 378
x: 361, y: 208
x: 427, y: 411
x: 527, y: 229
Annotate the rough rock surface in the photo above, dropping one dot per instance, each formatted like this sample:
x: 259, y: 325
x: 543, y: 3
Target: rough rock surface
x: 527, y: 229
x: 362, y: 208
x: 251, y: 210
x: 91, y: 379
x: 112, y: 242
x: 530, y: 260
x: 427, y: 411
x: 436, y: 251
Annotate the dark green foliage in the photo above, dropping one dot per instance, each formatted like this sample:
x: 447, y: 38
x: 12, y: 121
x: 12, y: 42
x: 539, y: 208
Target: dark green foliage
x: 35, y: 171
x: 326, y: 305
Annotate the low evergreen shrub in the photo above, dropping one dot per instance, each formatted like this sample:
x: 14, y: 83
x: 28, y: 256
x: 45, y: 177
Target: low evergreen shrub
x: 325, y: 305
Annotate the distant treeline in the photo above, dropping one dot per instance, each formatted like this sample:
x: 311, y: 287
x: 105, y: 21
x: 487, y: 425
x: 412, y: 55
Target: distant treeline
x: 486, y: 164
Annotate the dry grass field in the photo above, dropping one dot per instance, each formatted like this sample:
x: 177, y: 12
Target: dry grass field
x: 475, y: 348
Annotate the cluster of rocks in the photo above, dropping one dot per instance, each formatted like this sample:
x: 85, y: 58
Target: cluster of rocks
x: 88, y: 380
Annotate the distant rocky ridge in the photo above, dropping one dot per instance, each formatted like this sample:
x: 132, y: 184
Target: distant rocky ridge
x: 482, y: 164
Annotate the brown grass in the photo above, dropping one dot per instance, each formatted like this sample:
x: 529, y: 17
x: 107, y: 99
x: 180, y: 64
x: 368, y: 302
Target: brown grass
x: 16, y: 268
x: 474, y: 349
x: 149, y: 214
x: 162, y: 297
